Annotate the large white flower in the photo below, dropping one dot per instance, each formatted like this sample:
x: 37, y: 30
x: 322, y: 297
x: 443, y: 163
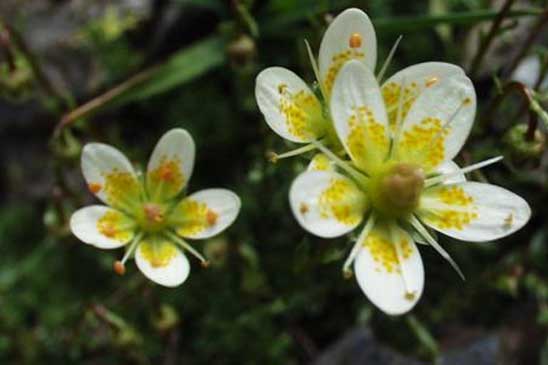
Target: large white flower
x: 149, y: 217
x: 400, y: 181
x: 290, y: 107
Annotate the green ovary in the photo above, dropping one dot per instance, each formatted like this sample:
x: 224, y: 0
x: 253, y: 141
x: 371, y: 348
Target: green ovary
x: 395, y: 191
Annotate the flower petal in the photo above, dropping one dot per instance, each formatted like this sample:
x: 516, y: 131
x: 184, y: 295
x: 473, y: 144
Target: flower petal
x: 289, y: 106
x: 359, y: 116
x: 473, y: 211
x: 326, y: 203
x: 414, y: 79
x: 170, y: 165
x: 162, y: 262
x: 110, y: 176
x: 389, y: 269
x: 320, y: 162
x: 205, y: 213
x: 350, y: 36
x: 449, y: 167
x: 102, y: 227
x: 438, y: 123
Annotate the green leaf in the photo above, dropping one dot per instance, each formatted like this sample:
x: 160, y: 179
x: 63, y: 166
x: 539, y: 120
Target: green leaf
x: 182, y: 67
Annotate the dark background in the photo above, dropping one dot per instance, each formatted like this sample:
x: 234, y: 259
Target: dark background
x: 273, y: 294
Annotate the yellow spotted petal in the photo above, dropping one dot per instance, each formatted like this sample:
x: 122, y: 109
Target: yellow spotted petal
x: 472, y: 211
x: 350, y: 36
x: 289, y: 106
x: 102, y: 227
x: 110, y: 176
x: 438, y: 123
x: 205, y: 213
x: 161, y: 261
x: 320, y: 162
x: 389, y: 269
x: 412, y: 81
x: 170, y: 165
x: 359, y: 116
x: 326, y: 203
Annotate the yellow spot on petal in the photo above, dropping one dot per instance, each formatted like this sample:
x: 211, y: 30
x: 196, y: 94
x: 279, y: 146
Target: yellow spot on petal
x: 111, y: 225
x: 391, y: 94
x: 384, y: 253
x: 410, y: 296
x: 467, y: 101
x: 424, y: 143
x: 302, y: 112
x: 342, y: 201
x: 337, y: 62
x: 303, y: 209
x: 509, y: 220
x: 320, y: 162
x: 167, y: 179
x: 431, y: 81
x: 122, y: 190
x: 453, y: 208
x: 367, y: 139
x: 158, y: 253
x: 193, y: 217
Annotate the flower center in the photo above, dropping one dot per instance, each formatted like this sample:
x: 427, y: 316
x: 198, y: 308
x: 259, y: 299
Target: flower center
x: 395, y: 192
x: 152, y: 217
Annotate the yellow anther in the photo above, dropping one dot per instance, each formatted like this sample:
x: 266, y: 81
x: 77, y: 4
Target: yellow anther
x: 466, y: 101
x: 272, y: 156
x: 509, y: 220
x: 166, y: 173
x: 355, y: 40
x: 431, y: 81
x: 94, y: 187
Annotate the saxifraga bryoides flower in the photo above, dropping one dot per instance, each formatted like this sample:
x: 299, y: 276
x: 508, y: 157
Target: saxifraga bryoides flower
x: 149, y: 215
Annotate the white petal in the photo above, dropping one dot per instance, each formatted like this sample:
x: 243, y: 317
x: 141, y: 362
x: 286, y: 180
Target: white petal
x: 206, y: 213
x: 473, y: 211
x: 414, y: 80
x: 438, y: 123
x: 392, y: 284
x: 359, y: 116
x: 289, y: 106
x: 102, y: 227
x: 110, y: 176
x: 162, y: 262
x: 326, y: 203
x: 170, y: 165
x: 335, y: 48
x: 449, y: 167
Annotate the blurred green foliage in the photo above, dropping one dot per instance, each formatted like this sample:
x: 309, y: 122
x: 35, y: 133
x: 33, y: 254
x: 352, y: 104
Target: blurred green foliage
x: 273, y: 294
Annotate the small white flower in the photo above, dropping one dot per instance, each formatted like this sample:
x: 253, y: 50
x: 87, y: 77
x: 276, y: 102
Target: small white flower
x: 148, y: 217
x: 400, y: 179
x: 290, y: 107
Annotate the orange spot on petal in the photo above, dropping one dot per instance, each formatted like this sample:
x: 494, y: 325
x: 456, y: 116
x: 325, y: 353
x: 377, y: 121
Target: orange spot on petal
x: 355, y: 40
x: 95, y: 187
x: 431, y: 81
x: 211, y: 217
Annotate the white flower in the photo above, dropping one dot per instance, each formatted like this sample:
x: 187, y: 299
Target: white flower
x: 290, y: 107
x: 400, y: 180
x: 148, y: 217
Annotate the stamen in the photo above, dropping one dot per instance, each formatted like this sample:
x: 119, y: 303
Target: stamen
x: 119, y: 265
x: 432, y: 242
x: 340, y: 163
x: 347, y: 272
x: 440, y: 178
x: 315, y: 68
x: 94, y: 187
x: 274, y: 157
x: 431, y: 81
x: 189, y: 248
x: 388, y: 59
